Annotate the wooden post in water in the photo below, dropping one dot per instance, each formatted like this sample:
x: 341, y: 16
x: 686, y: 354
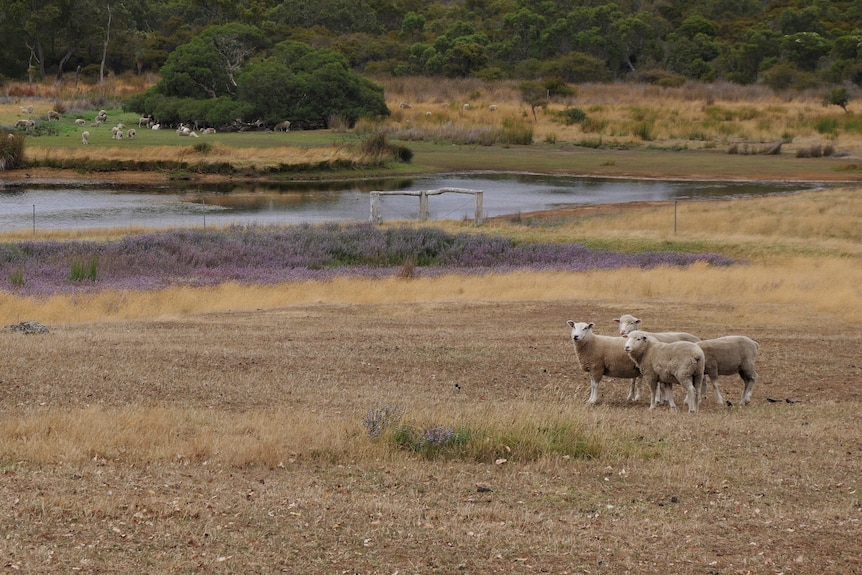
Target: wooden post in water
x: 423, y: 206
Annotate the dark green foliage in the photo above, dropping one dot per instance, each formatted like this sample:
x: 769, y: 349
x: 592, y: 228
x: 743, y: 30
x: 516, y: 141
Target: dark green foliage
x: 573, y: 116
x: 734, y: 40
x: 837, y: 97
x: 220, y: 79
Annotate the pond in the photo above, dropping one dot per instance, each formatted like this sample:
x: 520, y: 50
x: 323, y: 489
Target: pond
x: 24, y: 207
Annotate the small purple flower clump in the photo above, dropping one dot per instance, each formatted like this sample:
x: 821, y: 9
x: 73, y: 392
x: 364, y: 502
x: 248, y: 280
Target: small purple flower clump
x: 437, y: 435
x: 266, y: 255
x: 379, y: 418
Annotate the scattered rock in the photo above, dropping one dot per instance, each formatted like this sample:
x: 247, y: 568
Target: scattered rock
x: 26, y: 327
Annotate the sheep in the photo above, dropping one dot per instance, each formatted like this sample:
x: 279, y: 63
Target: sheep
x: 208, y: 131
x: 428, y: 114
x: 131, y: 132
x: 629, y: 323
x: 726, y: 356
x: 53, y: 115
x: 282, y: 126
x: 145, y: 121
x: 26, y: 109
x: 492, y: 108
x: 600, y: 356
x: 114, y: 131
x: 466, y: 106
x: 85, y: 137
x: 156, y: 127
x: 96, y: 124
x: 404, y: 106
x: 118, y: 135
x: 25, y: 124
x: 80, y: 122
x: 665, y: 363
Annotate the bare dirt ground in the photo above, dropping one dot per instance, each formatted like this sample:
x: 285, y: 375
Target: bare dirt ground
x: 770, y: 488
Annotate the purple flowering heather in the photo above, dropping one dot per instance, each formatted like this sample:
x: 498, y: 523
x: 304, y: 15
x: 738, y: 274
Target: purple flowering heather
x: 266, y: 255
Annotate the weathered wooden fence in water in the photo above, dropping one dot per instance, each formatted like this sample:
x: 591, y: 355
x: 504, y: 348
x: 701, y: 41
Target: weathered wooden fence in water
x: 377, y: 218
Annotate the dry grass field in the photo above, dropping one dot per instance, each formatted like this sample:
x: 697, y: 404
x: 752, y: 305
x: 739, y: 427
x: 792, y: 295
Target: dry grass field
x: 225, y: 430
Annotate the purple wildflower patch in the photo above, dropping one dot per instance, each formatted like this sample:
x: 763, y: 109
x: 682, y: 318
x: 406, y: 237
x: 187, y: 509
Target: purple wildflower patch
x: 266, y: 255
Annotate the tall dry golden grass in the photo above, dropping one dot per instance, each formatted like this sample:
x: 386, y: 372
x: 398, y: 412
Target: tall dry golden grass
x: 801, y: 250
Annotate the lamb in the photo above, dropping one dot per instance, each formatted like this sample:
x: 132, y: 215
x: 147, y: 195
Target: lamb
x: 85, y: 137
x: 600, y: 356
x: 726, y: 356
x: 132, y: 133
x: 661, y: 363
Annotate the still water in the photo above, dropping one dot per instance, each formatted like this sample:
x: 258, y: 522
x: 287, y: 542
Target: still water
x: 191, y: 205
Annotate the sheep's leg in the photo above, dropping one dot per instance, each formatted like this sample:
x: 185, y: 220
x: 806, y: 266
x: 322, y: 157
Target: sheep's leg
x: 654, y: 387
x: 718, y: 398
x: 635, y: 391
x: 750, y: 379
x: 668, y: 395
x: 594, y: 389
x: 690, y: 386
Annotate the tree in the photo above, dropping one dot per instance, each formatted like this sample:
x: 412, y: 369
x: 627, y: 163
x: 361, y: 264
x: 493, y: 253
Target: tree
x: 837, y: 97
x: 207, y: 66
x: 534, y: 94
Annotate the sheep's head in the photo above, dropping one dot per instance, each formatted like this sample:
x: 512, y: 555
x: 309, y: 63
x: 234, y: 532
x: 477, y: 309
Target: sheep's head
x: 636, y: 340
x: 580, y: 330
x: 628, y: 323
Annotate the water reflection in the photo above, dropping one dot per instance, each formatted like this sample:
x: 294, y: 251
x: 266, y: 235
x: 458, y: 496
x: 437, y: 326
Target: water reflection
x: 191, y: 204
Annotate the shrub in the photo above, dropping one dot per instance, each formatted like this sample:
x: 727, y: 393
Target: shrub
x: 826, y: 125
x: 203, y: 147
x: 11, y: 151
x: 84, y: 270
x: 573, y: 116
x: 517, y: 132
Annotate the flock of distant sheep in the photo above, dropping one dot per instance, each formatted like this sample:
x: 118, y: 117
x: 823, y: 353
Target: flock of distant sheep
x: 663, y: 359
x: 120, y: 131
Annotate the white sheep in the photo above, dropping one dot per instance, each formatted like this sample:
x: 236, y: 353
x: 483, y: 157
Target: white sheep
x: 131, y: 132
x: 85, y: 137
x: 282, y: 126
x: 156, y: 127
x: 629, y: 323
x: 145, y: 121
x: 25, y: 124
x: 662, y: 363
x: 118, y: 135
x: 53, y: 115
x: 730, y: 355
x: 492, y: 108
x: 404, y: 106
x: 208, y: 131
x: 80, y: 122
x: 601, y: 355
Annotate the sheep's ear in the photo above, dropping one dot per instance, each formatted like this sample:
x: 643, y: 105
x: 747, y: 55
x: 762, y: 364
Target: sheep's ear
x: 590, y: 326
x: 617, y: 320
x: 570, y: 323
x: 637, y: 321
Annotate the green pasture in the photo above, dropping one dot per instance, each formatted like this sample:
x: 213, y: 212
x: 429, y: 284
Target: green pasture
x: 65, y: 133
x: 434, y: 157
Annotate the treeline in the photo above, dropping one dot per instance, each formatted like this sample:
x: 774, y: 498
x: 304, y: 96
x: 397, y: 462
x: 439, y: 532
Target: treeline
x: 784, y: 43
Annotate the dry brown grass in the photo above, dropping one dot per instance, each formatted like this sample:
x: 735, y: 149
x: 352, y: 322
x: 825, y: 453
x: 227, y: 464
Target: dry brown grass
x: 693, y: 116
x: 221, y: 430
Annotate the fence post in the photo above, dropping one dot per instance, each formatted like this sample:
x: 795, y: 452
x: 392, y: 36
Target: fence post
x: 478, y: 218
x: 423, y: 206
x: 375, y: 207
x: 675, y: 202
